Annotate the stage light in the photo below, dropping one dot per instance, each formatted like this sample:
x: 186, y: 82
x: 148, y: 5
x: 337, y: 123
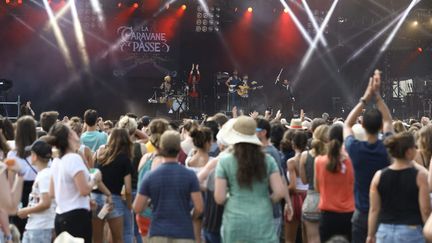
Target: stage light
x: 119, y: 5
x: 135, y: 5
x: 250, y: 9
x: 184, y: 6
x: 414, y: 23
x: 420, y: 50
x: 286, y: 10
x: 7, y: 1
x: 235, y: 10
x: 19, y: 1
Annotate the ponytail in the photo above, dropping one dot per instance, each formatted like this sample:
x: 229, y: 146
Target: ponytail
x: 334, y: 147
x: 333, y: 154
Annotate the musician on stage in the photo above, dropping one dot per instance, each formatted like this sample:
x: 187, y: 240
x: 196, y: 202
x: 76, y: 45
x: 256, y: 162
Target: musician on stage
x: 244, y: 94
x: 285, y: 101
x: 232, y: 84
x: 193, y: 84
x: 167, y: 87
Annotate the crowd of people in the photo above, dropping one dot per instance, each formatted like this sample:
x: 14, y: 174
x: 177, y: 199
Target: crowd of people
x: 253, y: 178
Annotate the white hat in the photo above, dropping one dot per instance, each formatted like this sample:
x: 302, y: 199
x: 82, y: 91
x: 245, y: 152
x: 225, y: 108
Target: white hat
x: 239, y: 130
x: 359, y: 132
x: 65, y: 237
x: 296, y: 124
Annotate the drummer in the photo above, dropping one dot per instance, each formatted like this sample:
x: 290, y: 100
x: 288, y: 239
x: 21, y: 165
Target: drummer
x: 166, y: 87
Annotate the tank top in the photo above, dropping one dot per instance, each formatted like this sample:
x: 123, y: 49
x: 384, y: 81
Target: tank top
x: 299, y: 184
x: 309, y: 170
x: 399, y: 197
x: 141, y: 173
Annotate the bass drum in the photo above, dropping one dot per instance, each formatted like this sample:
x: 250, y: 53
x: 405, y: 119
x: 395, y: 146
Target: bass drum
x: 179, y: 105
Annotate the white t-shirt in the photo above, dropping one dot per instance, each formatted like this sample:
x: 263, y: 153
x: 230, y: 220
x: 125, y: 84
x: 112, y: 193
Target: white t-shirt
x: 30, y: 174
x: 44, y: 219
x: 67, y: 195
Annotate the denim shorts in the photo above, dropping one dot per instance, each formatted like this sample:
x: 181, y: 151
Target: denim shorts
x: 37, y: 236
x: 117, y: 210
x: 391, y: 233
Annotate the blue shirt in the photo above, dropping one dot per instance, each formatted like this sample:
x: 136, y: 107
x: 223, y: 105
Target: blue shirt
x: 170, y: 187
x: 94, y: 139
x: 366, y: 159
x: 273, y: 152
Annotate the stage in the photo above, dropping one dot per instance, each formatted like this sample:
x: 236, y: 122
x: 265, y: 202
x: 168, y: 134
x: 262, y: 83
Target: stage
x: 113, y: 56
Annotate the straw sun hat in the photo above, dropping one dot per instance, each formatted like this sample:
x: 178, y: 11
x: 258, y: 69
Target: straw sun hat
x: 239, y: 130
x: 296, y: 124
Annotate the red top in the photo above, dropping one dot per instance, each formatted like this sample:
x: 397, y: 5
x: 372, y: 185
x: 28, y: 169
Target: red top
x: 198, y: 78
x: 336, y: 189
x: 193, y: 92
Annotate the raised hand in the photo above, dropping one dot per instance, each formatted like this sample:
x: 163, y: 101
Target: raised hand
x: 302, y: 115
x: 234, y: 112
x: 369, y: 92
x: 377, y: 82
x: 278, y: 115
x: 197, y: 66
x: 193, y: 66
x: 254, y: 114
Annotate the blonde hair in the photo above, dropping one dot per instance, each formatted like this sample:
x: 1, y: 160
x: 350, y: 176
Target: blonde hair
x: 424, y: 139
x: 319, y: 139
x: 128, y: 123
x: 399, y: 127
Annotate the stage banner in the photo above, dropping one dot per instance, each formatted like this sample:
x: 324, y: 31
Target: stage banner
x: 143, y: 40
x: 146, y: 50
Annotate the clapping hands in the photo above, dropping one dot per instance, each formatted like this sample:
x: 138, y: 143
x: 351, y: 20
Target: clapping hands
x: 374, y: 86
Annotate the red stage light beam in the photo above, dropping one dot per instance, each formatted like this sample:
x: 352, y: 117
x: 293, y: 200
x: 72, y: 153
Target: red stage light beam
x: 135, y: 5
x: 20, y: 2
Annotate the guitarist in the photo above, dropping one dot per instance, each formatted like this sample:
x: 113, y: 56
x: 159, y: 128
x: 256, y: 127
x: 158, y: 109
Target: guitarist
x: 193, y: 83
x: 232, y: 83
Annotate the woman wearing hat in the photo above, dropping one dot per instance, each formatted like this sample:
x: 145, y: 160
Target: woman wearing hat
x: 246, y: 175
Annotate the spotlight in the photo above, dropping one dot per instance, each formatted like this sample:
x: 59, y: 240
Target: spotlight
x: 250, y: 9
x: 7, y: 1
x: 285, y: 10
x: 415, y: 23
x: 119, y: 5
x: 20, y: 2
x: 184, y: 6
x: 235, y: 10
x: 420, y: 50
x: 135, y: 5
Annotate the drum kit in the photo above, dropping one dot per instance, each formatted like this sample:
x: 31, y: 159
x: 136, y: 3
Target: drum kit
x: 176, y: 100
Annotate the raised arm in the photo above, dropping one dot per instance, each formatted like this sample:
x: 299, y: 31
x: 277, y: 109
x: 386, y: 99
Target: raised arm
x: 381, y: 105
x: 357, y: 110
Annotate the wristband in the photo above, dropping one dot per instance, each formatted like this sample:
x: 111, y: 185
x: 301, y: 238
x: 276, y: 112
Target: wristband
x: 8, y: 237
